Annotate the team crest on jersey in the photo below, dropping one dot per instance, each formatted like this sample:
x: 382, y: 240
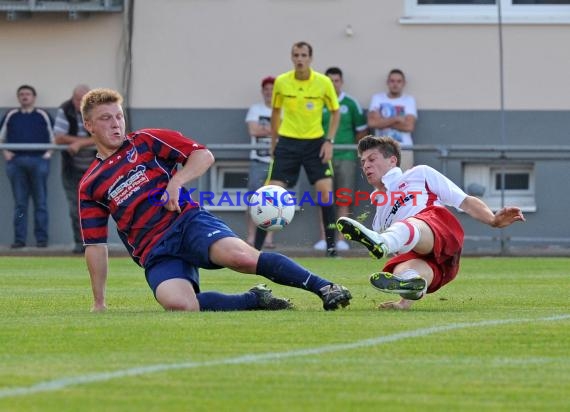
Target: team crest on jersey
x: 132, y: 155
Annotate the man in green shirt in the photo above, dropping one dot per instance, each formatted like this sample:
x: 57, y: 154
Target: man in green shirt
x: 352, y: 127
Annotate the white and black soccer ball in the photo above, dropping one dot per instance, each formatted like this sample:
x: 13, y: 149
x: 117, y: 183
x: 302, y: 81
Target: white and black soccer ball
x: 271, y: 208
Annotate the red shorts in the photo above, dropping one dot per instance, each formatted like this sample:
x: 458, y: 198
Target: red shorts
x: 448, y: 242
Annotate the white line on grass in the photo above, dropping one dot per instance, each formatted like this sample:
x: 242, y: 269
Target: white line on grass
x: 57, y: 384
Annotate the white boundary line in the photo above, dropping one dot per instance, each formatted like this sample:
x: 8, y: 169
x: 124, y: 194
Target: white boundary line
x: 57, y: 384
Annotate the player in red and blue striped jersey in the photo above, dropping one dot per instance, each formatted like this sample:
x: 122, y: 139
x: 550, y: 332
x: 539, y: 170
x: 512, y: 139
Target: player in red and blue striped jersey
x: 125, y: 186
x: 135, y: 180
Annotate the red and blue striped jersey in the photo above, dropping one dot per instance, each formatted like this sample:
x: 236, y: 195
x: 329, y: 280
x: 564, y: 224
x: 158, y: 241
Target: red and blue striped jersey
x: 125, y: 186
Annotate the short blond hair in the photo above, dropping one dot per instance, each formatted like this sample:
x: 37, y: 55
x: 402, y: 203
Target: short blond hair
x: 98, y: 97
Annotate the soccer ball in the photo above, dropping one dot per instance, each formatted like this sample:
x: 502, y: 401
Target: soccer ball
x: 271, y: 208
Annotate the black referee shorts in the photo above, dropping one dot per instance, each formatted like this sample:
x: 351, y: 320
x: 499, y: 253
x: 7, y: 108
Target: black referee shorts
x: 290, y: 154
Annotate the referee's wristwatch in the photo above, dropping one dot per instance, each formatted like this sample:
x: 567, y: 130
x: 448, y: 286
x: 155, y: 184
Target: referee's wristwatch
x: 331, y: 141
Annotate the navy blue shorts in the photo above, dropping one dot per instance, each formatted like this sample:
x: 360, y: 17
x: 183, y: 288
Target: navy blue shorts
x: 184, y: 248
x: 290, y: 154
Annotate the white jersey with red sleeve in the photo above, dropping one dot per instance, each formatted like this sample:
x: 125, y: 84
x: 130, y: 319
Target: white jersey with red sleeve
x: 411, y: 192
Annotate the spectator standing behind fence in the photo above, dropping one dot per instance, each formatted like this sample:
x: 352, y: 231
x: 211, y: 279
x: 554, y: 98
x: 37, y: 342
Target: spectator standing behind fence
x: 297, y: 135
x: 394, y: 114
x: 258, y: 121
x: 28, y: 170
x: 352, y: 127
x: 69, y: 130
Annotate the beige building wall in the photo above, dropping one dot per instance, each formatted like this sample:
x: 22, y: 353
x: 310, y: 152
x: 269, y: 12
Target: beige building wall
x: 54, y: 54
x: 213, y: 53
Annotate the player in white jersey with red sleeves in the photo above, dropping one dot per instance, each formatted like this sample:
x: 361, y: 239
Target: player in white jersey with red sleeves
x: 412, y: 223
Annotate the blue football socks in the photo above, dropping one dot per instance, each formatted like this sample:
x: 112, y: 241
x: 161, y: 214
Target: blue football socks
x: 216, y: 301
x: 284, y: 271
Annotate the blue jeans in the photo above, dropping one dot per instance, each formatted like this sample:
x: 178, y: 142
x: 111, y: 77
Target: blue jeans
x: 28, y: 177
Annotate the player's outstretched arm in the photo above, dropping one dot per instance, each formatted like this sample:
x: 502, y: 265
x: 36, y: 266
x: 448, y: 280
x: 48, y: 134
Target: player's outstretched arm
x: 478, y: 210
x: 97, y: 260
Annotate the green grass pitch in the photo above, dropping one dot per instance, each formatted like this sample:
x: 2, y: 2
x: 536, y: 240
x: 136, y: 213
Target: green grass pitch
x: 495, y: 339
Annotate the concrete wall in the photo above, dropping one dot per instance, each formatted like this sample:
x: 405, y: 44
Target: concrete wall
x: 212, y: 54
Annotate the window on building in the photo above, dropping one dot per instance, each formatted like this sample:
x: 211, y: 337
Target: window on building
x: 486, y: 11
x: 512, y: 181
x: 75, y: 9
x: 490, y: 182
x: 228, y: 186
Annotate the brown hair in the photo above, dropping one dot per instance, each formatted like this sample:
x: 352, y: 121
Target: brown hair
x: 397, y: 71
x: 26, y: 87
x: 384, y: 144
x: 97, y: 97
x: 300, y: 44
